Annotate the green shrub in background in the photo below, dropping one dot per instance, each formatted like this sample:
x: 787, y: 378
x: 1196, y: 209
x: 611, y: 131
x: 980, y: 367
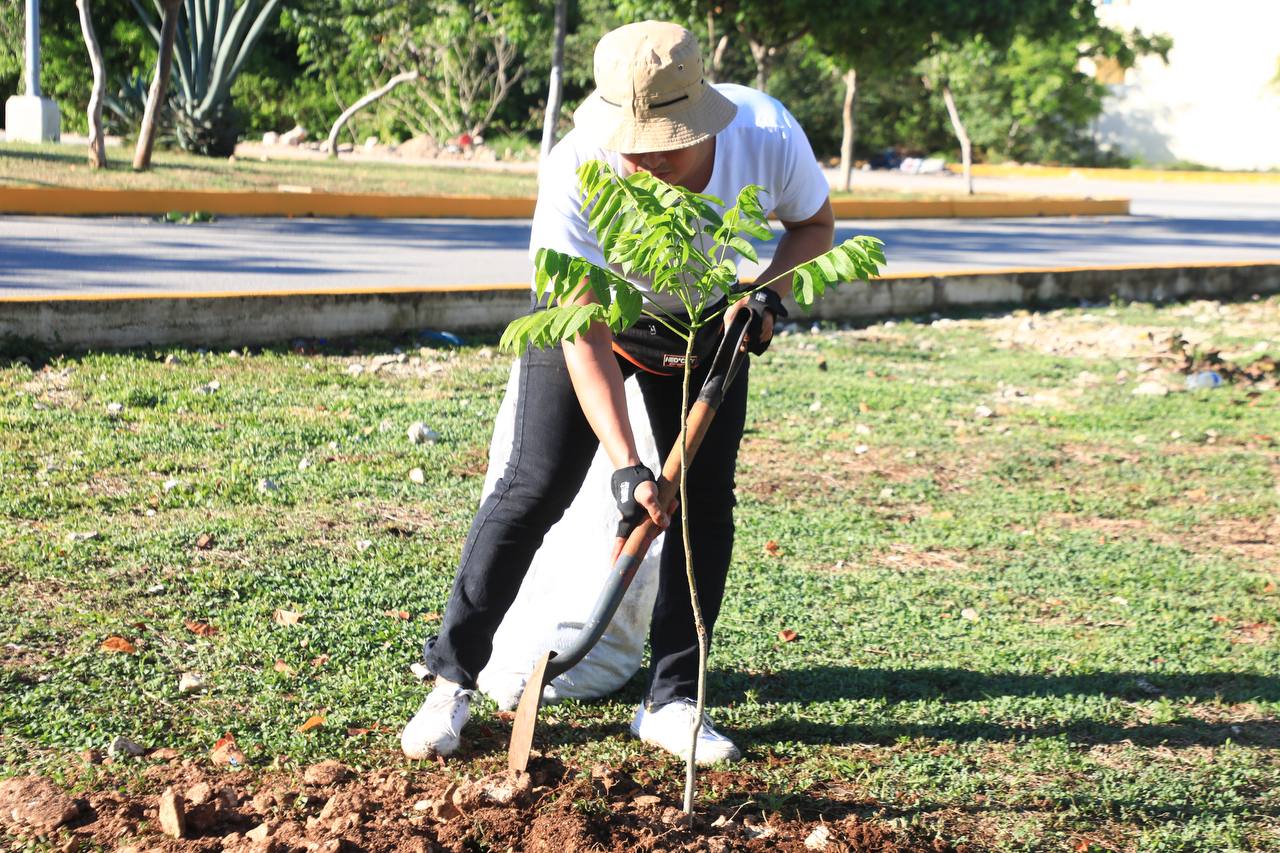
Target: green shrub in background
x: 316, y: 57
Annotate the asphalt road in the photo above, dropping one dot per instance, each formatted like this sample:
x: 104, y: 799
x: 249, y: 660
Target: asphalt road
x: 54, y: 256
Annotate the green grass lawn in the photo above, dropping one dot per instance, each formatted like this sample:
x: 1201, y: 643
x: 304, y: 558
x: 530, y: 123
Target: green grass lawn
x: 26, y: 165
x: 52, y: 165
x: 1052, y: 628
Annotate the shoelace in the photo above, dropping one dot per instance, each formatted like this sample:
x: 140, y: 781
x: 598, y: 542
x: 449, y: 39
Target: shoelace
x: 690, y: 708
x: 445, y: 700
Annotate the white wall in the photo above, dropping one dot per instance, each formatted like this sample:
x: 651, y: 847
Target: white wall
x: 1214, y: 102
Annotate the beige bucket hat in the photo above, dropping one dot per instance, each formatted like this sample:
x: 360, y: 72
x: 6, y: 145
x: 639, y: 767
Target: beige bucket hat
x: 650, y: 92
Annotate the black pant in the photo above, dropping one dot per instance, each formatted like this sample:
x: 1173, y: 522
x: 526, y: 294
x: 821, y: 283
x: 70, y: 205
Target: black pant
x: 551, y: 453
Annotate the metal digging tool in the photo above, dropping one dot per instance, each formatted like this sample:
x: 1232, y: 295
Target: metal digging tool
x: 728, y: 359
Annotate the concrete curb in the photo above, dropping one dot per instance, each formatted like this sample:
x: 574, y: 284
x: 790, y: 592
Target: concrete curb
x: 984, y: 170
x: 235, y: 319
x: 52, y: 201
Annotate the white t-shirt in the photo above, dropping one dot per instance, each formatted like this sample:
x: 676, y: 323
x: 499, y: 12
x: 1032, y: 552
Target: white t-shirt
x: 762, y: 145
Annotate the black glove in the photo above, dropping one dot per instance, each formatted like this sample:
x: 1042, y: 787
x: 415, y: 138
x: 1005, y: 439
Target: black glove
x: 764, y: 299
x: 624, y: 484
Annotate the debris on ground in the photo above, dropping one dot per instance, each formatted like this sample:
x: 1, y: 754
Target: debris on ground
x: 329, y: 807
x: 420, y: 433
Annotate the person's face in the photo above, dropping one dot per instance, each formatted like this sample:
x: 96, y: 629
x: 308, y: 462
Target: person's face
x: 675, y: 167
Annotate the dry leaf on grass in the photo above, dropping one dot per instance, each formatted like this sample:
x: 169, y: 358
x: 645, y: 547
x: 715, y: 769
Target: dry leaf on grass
x: 282, y: 667
x: 118, y: 645
x: 314, y: 721
x: 430, y: 617
x: 205, y: 541
x: 771, y: 548
x: 319, y: 660
x: 396, y: 614
x: 200, y: 627
x: 286, y: 617
x: 225, y: 752
x: 786, y: 635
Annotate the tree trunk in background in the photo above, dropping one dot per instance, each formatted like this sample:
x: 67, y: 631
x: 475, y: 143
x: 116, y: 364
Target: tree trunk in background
x: 555, y: 87
x: 159, y: 86
x: 846, y: 141
x: 717, y: 57
x: 760, y: 53
x: 717, y: 52
x: 97, y: 145
x: 966, y: 150
x: 402, y: 77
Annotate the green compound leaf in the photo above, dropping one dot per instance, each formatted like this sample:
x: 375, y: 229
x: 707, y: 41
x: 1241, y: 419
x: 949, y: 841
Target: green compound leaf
x: 677, y: 240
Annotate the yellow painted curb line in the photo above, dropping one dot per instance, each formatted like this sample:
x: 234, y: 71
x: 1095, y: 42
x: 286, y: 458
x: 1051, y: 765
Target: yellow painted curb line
x: 991, y: 170
x: 392, y: 290
x: 964, y: 208
x: 57, y: 201
x: 82, y: 202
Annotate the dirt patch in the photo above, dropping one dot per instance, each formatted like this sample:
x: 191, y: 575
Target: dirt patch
x: 1255, y: 540
x: 553, y: 808
x: 905, y: 558
x: 769, y: 469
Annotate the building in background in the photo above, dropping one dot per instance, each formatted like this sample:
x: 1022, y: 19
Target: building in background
x: 1216, y: 103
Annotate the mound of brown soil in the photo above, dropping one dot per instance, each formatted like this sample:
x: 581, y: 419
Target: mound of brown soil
x: 328, y: 808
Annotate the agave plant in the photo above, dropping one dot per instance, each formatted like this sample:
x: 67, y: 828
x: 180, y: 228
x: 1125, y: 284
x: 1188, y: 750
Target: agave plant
x: 214, y: 40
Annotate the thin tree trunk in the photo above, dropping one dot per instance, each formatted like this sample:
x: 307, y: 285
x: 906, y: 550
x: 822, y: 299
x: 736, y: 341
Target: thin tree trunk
x: 97, y: 145
x: 402, y: 77
x: 555, y: 86
x: 159, y: 86
x: 966, y: 150
x: 717, y: 57
x: 691, y: 766
x: 760, y: 53
x: 717, y: 53
x: 846, y: 141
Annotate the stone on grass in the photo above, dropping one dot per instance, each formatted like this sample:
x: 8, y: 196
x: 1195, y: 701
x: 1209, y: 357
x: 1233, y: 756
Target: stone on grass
x: 304, y: 463
x: 114, y: 409
x: 417, y: 475
x: 171, y: 484
x: 969, y: 615
x: 355, y: 368
x: 420, y: 433
x: 266, y: 484
x: 122, y: 746
x: 364, y: 544
x: 983, y: 412
x: 191, y: 682
x: 173, y: 817
x: 1152, y: 389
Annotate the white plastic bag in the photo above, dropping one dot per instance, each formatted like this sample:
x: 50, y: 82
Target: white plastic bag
x: 566, y: 576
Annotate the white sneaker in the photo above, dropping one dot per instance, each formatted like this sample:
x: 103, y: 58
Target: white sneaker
x: 437, y: 727
x: 669, y: 727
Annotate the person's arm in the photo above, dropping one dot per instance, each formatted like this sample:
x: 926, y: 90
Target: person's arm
x: 801, y: 242
x: 597, y: 380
